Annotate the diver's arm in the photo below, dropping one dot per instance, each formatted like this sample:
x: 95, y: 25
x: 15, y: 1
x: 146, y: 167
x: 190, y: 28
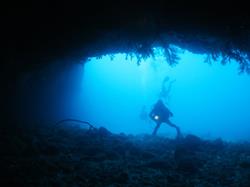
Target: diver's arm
x: 151, y: 114
x: 170, y: 113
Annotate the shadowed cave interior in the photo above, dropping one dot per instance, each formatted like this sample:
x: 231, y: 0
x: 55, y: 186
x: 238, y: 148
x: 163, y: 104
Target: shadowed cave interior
x: 79, y: 82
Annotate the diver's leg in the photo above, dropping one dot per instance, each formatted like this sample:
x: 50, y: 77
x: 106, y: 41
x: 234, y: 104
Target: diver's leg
x: 176, y: 127
x: 156, y: 129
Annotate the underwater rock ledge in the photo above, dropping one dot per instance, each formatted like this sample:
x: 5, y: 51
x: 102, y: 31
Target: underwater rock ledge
x: 72, y: 156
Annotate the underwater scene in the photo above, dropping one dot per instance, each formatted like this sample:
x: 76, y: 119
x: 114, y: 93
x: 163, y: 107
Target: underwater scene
x: 120, y: 120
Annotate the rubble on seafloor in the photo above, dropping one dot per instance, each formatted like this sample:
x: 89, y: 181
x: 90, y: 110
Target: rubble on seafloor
x: 72, y: 156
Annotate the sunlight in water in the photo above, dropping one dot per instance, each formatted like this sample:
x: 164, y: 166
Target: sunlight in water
x: 207, y: 100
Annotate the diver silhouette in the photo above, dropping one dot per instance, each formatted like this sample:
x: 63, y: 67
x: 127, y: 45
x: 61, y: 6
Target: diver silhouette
x: 161, y: 114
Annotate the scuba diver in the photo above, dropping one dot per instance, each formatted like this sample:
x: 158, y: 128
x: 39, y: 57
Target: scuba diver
x: 160, y: 114
x: 165, y: 91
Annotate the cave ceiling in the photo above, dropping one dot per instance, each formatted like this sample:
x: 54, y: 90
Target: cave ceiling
x: 42, y: 32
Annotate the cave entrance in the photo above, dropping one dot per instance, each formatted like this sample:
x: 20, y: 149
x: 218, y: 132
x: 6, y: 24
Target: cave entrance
x: 118, y: 94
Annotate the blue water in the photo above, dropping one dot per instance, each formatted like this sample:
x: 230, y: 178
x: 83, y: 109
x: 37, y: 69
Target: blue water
x: 210, y: 101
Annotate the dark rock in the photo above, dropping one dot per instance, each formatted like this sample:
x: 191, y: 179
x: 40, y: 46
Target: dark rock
x: 133, y: 150
x: 122, y: 134
x: 119, y: 149
x: 245, y: 164
x: 122, y: 178
x: 50, y: 150
x: 92, y: 151
x: 192, y: 142
x: 159, y: 164
x: 16, y: 145
x: 104, y: 132
x: 147, y: 155
x: 112, y: 155
x: 189, y: 165
x: 98, y: 158
x: 182, y: 151
x: 173, y: 178
x: 186, y: 159
x: 218, y: 144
